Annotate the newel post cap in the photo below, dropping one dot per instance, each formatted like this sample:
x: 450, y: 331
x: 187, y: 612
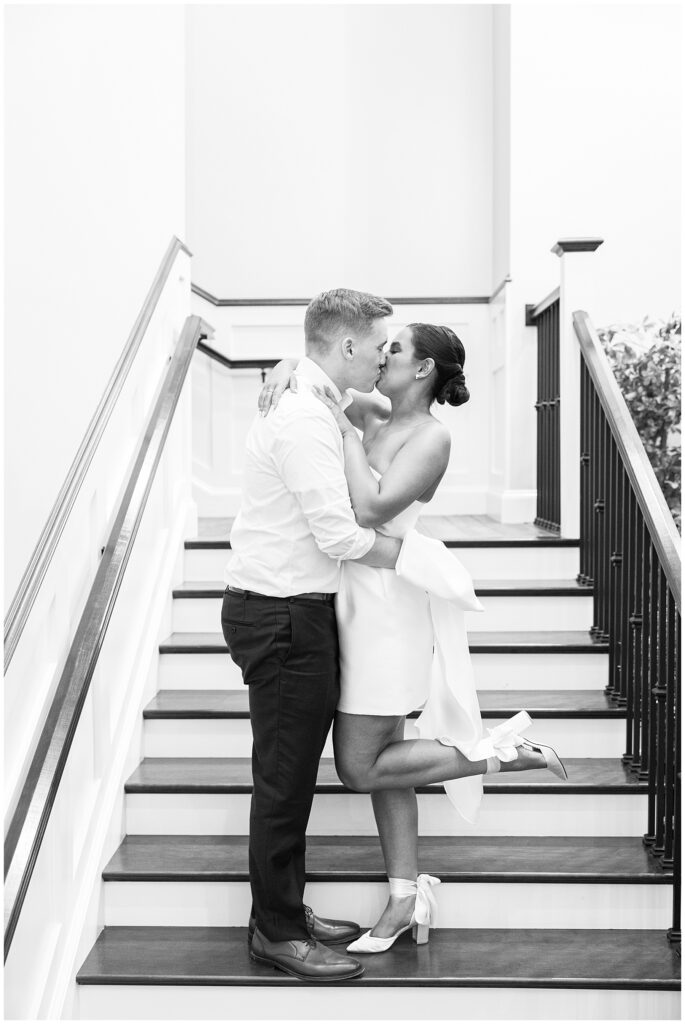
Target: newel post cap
x: 576, y: 245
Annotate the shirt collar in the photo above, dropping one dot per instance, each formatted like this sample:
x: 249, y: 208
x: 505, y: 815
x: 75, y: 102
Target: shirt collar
x: 315, y: 375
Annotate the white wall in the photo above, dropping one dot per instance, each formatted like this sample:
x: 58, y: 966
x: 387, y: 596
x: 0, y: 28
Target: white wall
x: 95, y: 187
x: 595, y: 150
x: 340, y: 145
x: 501, y: 142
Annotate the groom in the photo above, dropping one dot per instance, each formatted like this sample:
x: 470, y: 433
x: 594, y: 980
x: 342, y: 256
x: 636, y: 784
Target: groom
x: 294, y: 527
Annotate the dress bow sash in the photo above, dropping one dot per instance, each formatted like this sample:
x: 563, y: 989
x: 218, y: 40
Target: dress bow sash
x: 426, y: 905
x: 503, y: 739
x: 452, y: 713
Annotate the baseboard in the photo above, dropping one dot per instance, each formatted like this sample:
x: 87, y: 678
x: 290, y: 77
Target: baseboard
x: 512, y: 506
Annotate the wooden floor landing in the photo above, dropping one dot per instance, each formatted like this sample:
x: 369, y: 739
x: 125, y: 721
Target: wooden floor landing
x: 466, y: 528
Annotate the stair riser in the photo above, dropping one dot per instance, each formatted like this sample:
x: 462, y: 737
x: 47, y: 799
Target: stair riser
x: 493, y: 671
x: 501, y: 613
x: 496, y: 563
x: 591, y: 737
x: 285, y: 1002
x: 335, y: 814
x: 460, y: 905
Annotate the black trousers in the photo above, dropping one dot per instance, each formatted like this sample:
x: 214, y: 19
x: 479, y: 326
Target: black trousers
x: 287, y: 650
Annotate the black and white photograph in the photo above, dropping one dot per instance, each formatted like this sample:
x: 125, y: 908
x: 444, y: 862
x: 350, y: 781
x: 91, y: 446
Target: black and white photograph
x: 342, y: 511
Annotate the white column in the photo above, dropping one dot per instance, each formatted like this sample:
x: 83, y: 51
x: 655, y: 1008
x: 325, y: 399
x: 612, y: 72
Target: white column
x: 577, y: 288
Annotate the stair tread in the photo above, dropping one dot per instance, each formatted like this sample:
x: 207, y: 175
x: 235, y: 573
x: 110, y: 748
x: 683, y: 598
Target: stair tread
x: 548, y: 541
x: 566, y: 588
x: 359, y: 858
x: 510, y: 641
x: 184, y: 704
x: 233, y: 775
x: 577, y: 958
x: 463, y: 527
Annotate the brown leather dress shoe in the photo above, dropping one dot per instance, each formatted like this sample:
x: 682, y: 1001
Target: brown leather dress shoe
x: 304, y: 958
x: 323, y: 929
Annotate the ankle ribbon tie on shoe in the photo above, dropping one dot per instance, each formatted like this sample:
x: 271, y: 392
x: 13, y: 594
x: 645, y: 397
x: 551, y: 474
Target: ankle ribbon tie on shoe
x: 503, y: 740
x: 426, y: 906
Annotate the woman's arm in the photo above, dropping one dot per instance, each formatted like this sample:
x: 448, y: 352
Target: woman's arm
x: 419, y: 463
x: 279, y: 379
x: 365, y: 407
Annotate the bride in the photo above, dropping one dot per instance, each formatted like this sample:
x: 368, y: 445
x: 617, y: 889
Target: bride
x: 385, y: 627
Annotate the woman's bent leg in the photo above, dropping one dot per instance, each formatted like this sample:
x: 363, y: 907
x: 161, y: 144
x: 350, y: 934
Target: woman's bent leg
x: 368, y: 759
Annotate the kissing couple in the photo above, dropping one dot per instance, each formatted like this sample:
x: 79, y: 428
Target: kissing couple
x: 338, y: 612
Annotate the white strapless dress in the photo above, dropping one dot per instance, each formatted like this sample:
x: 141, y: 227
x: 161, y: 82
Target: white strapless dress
x: 386, y: 634
x: 404, y: 646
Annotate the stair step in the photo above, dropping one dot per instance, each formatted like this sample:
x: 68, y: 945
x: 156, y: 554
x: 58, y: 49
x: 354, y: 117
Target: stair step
x: 506, y: 609
x: 203, y: 880
x: 549, y: 671
x: 520, y: 958
x: 196, y: 589
x: 566, y: 704
x: 460, y: 904
x: 212, y: 723
x: 359, y: 858
x: 233, y: 775
x: 224, y: 543
x: 206, y: 559
x: 504, y: 642
x: 472, y: 528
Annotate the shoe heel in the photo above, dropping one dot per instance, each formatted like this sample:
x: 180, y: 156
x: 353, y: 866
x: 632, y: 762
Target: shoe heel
x: 420, y: 933
x: 554, y: 763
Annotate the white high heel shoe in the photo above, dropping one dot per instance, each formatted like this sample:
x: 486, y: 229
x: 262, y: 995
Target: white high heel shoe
x: 504, y: 742
x: 421, y: 919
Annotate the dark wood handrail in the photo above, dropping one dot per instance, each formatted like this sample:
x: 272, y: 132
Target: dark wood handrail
x: 236, y: 364
x: 658, y: 518
x: 439, y: 300
x: 44, y: 551
x: 30, y: 819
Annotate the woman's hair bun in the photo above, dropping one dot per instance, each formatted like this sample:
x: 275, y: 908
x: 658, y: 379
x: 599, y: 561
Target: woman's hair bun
x: 447, y: 352
x: 454, y: 390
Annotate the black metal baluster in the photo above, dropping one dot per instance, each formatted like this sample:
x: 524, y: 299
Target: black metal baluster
x: 614, y: 577
x: 674, y: 932
x: 660, y: 692
x: 540, y: 431
x: 649, y: 837
x: 595, y: 459
x: 545, y: 420
x: 635, y: 639
x: 585, y: 574
x: 621, y: 567
x: 645, y: 695
x: 670, y: 766
x: 554, y: 326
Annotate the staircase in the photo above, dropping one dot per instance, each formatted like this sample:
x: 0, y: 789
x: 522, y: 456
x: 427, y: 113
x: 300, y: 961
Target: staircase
x: 550, y: 908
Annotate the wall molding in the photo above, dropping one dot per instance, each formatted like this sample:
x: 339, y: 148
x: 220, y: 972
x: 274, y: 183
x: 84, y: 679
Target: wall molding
x: 439, y: 300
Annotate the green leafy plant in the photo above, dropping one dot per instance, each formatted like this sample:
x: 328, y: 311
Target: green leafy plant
x: 646, y: 361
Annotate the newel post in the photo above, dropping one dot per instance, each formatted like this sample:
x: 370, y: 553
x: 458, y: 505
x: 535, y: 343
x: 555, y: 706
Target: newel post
x: 575, y: 277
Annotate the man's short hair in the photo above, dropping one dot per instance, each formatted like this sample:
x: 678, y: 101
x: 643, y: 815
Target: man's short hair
x: 332, y: 314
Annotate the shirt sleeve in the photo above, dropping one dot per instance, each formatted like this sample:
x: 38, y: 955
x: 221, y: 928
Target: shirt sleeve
x: 309, y: 458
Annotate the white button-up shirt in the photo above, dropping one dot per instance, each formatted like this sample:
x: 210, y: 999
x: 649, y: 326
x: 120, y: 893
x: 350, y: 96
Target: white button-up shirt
x: 295, y: 523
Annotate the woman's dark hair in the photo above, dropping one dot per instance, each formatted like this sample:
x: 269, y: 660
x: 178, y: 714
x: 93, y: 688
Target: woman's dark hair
x: 442, y: 346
